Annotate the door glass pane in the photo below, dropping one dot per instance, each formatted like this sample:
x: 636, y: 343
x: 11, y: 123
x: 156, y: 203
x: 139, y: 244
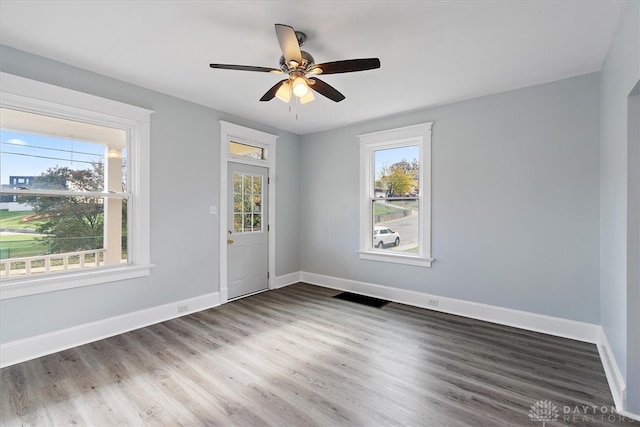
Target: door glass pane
x: 237, y: 202
x: 245, y: 150
x: 247, y: 206
x: 237, y: 223
x: 237, y: 184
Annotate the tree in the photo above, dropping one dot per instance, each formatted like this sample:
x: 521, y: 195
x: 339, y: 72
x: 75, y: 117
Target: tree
x: 400, y: 178
x: 72, y: 222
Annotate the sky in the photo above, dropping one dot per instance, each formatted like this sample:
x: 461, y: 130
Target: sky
x: 23, y: 154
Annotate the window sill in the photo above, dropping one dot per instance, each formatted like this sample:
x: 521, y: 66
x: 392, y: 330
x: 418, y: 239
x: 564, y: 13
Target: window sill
x: 20, y: 287
x: 396, y: 258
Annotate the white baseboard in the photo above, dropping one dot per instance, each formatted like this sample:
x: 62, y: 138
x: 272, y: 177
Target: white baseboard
x: 612, y: 371
x: 284, y: 280
x: 41, y: 345
x: 629, y: 415
x: 565, y: 328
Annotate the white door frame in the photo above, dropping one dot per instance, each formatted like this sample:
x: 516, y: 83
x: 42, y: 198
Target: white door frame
x: 631, y: 401
x: 236, y: 133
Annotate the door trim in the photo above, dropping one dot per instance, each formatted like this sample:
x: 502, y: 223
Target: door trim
x: 236, y: 133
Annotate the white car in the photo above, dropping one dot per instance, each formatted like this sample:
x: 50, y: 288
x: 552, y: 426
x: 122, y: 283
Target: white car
x: 384, y: 236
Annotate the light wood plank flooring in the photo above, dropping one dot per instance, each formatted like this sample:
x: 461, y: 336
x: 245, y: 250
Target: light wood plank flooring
x: 297, y: 357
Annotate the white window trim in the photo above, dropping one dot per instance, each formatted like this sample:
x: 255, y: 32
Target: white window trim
x: 37, y: 97
x: 370, y: 142
x: 230, y: 132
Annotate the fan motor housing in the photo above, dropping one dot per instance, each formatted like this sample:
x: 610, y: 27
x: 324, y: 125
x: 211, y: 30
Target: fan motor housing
x: 307, y: 61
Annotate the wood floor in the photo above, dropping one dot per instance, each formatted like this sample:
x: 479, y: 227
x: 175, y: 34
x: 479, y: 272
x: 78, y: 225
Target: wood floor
x: 298, y: 357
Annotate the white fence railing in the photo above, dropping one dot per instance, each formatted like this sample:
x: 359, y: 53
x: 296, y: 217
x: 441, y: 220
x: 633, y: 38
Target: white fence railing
x: 26, y: 266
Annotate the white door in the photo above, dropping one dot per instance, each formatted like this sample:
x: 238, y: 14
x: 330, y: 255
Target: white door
x: 247, y: 247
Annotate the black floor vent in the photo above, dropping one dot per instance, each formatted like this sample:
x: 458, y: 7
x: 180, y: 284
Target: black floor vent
x: 362, y: 299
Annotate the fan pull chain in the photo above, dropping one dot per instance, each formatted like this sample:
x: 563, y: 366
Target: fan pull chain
x: 293, y: 104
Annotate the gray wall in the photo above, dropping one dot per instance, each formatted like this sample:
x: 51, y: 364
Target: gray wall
x: 185, y: 146
x: 515, y: 201
x: 620, y: 73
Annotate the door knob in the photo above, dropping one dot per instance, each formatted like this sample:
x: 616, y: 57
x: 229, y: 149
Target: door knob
x: 230, y: 241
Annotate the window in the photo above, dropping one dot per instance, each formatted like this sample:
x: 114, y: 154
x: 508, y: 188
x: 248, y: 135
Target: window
x: 395, y: 202
x: 74, y: 174
x: 244, y: 150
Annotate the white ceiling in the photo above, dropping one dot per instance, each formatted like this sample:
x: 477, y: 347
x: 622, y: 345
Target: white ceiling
x: 432, y: 52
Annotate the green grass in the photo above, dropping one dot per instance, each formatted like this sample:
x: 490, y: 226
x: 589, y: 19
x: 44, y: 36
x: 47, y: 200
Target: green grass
x: 407, y: 204
x: 21, y: 245
x: 381, y: 209
x: 18, y: 237
x: 385, y: 208
x: 17, y: 246
x: 14, y: 220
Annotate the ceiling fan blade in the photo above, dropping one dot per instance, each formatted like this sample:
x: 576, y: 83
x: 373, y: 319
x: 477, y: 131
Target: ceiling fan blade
x: 288, y: 43
x: 271, y: 93
x: 245, y: 68
x: 326, y: 89
x: 346, y: 66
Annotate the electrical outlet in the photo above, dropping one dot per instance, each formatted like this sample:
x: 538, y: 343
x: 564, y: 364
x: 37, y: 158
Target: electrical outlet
x: 183, y: 308
x: 213, y: 210
x: 433, y: 302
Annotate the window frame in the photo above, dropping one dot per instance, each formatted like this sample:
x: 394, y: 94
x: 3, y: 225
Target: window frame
x: 33, y: 96
x: 419, y: 135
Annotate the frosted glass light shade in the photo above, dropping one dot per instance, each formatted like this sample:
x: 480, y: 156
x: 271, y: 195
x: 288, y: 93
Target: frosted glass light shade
x: 284, y: 92
x: 307, y: 98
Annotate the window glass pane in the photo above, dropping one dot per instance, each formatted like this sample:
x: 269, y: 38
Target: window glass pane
x: 59, y: 233
x: 395, y: 225
x: 397, y: 172
x: 39, y: 152
x: 245, y: 150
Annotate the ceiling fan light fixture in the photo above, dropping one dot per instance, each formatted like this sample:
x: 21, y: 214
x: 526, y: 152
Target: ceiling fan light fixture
x: 284, y: 92
x: 300, y: 88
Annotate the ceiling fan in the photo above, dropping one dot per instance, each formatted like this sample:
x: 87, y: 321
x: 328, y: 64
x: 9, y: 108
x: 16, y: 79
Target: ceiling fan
x: 301, y: 70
